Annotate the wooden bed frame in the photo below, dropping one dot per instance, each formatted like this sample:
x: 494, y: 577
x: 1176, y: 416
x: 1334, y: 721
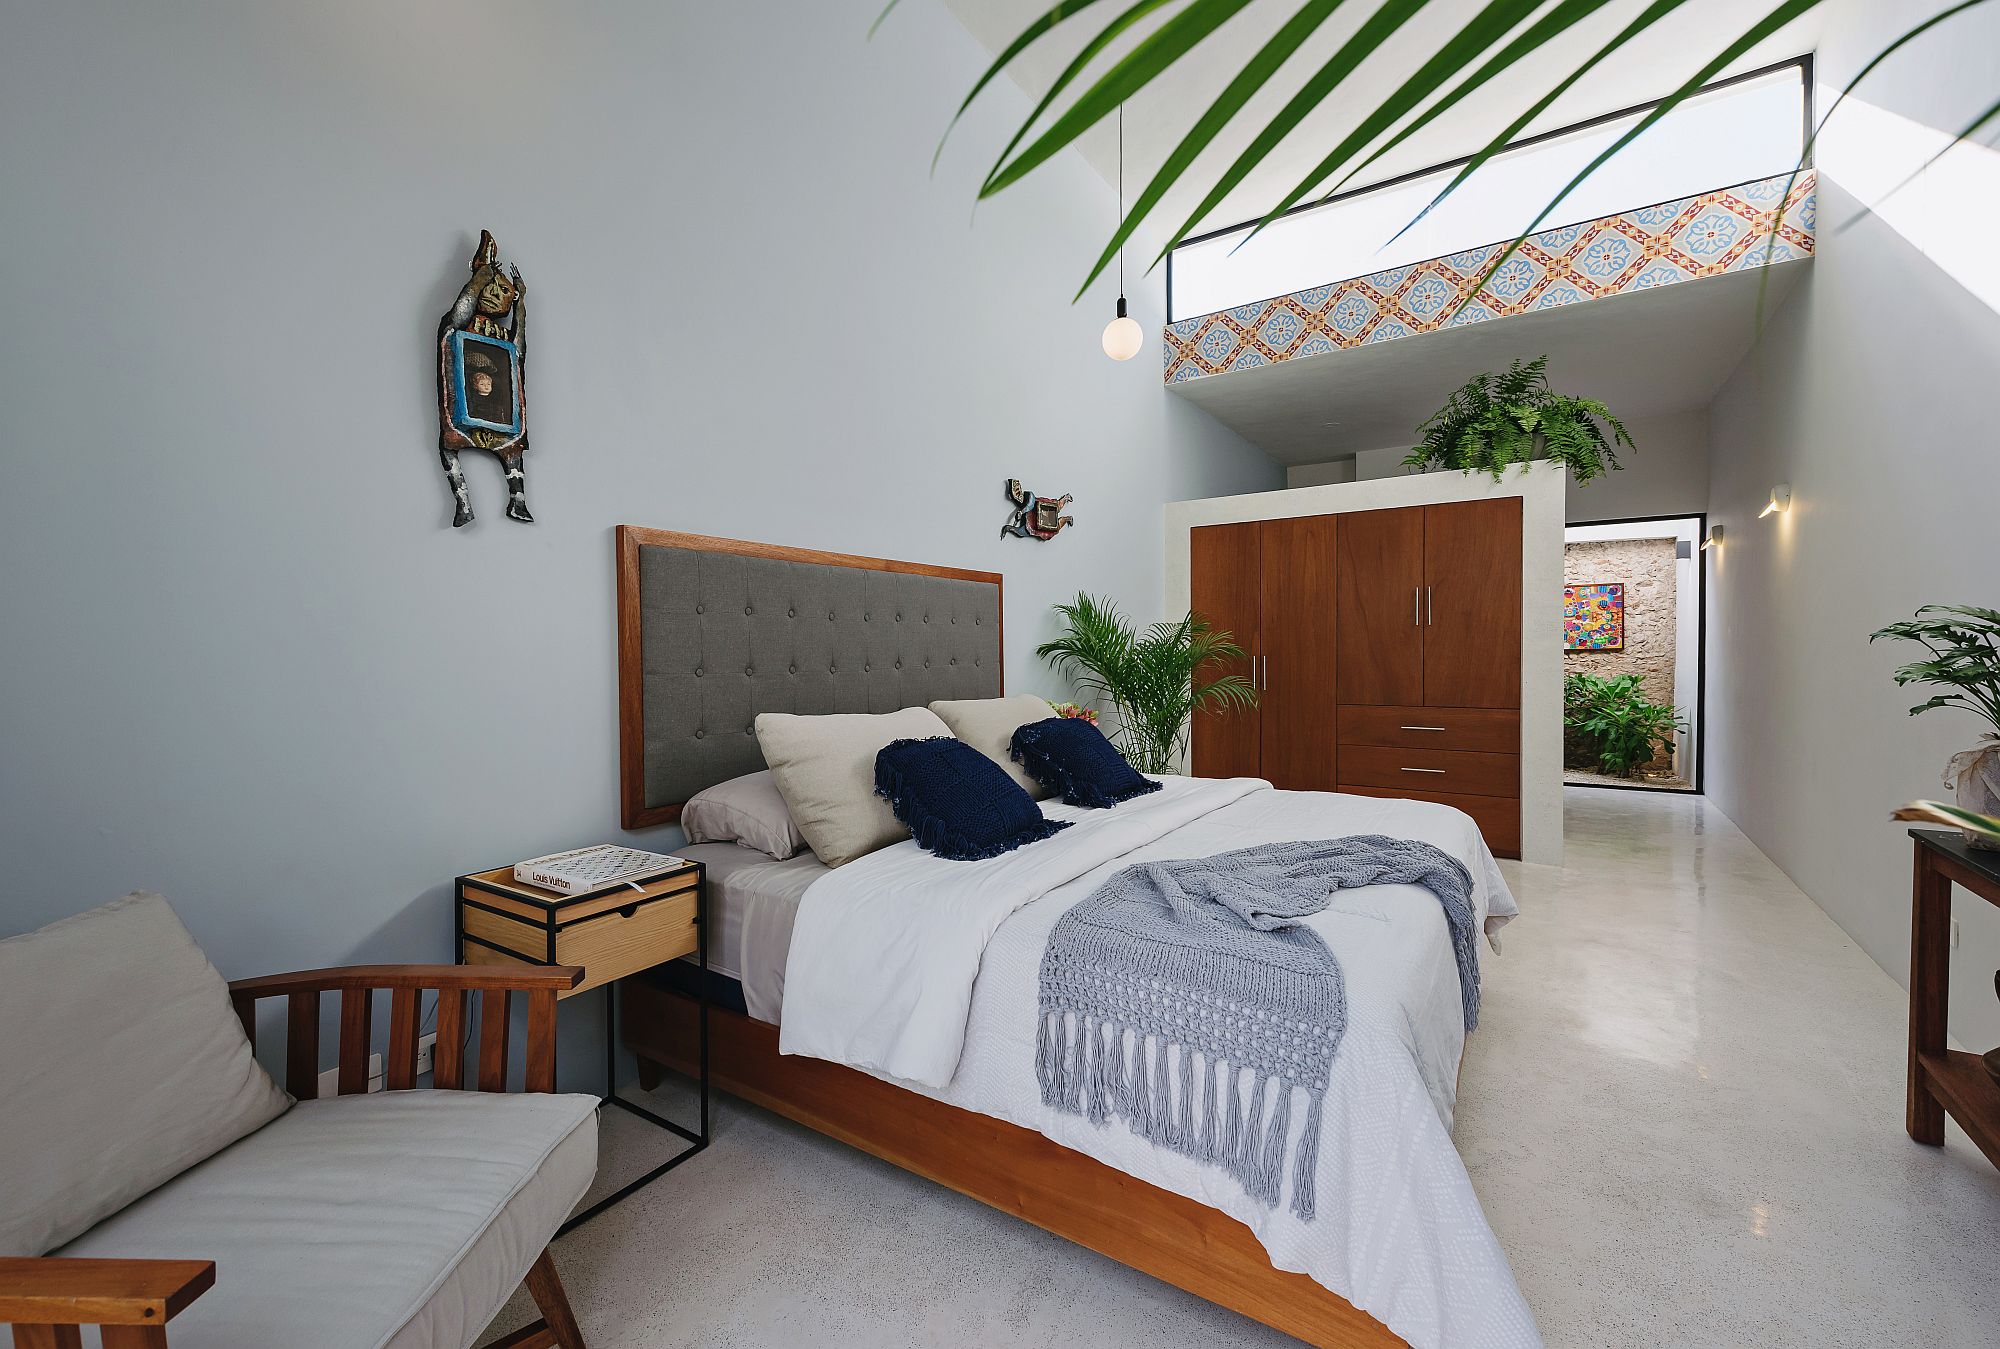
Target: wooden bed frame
x: 1003, y: 1165
x: 1016, y: 1170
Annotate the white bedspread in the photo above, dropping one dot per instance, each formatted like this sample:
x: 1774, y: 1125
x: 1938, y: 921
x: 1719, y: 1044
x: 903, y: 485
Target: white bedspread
x: 926, y: 972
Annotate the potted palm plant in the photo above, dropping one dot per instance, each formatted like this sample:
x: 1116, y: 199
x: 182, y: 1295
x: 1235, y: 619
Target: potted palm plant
x: 1513, y: 417
x: 1155, y: 679
x: 1964, y: 645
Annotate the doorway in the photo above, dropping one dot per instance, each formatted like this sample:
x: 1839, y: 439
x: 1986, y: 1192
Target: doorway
x: 1634, y: 645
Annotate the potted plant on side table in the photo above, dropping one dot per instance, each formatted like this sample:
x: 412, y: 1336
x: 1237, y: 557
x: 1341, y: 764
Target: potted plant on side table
x: 1964, y: 645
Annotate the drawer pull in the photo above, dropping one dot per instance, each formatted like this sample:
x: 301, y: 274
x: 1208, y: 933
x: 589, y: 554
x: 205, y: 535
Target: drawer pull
x: 628, y: 911
x: 1420, y: 728
x: 1423, y: 770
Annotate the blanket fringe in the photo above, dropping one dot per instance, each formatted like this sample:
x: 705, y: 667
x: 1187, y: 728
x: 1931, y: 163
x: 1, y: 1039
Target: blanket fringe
x: 1208, y: 1109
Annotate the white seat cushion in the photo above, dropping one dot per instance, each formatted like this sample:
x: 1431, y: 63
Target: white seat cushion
x: 402, y: 1218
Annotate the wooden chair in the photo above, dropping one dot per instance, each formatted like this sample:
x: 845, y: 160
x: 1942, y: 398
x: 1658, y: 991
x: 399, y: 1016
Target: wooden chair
x: 47, y: 1298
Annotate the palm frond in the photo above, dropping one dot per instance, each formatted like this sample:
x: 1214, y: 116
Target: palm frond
x: 1153, y: 678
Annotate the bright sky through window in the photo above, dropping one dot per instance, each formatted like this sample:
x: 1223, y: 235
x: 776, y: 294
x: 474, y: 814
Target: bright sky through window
x: 1736, y: 134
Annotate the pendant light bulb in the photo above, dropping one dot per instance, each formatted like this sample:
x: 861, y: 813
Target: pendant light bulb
x: 1123, y: 336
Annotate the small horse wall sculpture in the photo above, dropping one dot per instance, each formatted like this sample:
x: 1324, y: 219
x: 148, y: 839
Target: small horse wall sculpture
x: 482, y: 378
x: 1035, y: 517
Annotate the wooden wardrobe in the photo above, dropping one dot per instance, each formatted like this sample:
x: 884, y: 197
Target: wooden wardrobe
x: 1386, y: 649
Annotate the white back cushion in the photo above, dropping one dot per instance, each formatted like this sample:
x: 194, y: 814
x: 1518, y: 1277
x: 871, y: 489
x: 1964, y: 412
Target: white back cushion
x: 825, y: 769
x: 988, y: 725
x: 122, y: 1064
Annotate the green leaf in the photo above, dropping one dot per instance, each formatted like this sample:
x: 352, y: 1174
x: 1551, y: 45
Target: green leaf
x: 1077, y: 66
x: 1026, y: 39
x: 1556, y: 22
x: 1652, y: 14
x: 1377, y: 29
x: 1783, y: 14
x: 1154, y: 53
x: 1486, y: 28
x: 1253, y: 77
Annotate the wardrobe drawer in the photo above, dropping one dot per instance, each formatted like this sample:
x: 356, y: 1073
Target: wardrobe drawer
x: 1433, y: 770
x: 1498, y: 817
x: 1489, y: 730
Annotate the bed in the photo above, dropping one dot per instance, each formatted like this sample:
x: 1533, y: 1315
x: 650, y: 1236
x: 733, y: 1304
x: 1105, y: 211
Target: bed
x: 889, y: 1003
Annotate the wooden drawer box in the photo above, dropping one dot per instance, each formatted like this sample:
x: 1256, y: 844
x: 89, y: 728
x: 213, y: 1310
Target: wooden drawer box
x: 1498, y: 817
x: 611, y: 933
x: 1432, y: 770
x: 1488, y: 730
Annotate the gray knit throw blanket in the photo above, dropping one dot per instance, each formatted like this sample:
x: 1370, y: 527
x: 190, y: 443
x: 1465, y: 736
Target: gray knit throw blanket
x: 1198, y: 973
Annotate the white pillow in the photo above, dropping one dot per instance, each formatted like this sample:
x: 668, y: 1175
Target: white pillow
x: 749, y: 810
x: 122, y: 1065
x: 988, y: 725
x: 825, y: 769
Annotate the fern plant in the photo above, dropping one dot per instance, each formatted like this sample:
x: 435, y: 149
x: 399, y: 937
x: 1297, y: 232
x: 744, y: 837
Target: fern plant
x: 1155, y: 679
x: 1513, y: 417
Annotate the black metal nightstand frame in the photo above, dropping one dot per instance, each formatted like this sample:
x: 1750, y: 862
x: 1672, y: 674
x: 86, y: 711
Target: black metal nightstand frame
x: 698, y: 1139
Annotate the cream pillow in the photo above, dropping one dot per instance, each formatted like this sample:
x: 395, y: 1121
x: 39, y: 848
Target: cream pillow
x: 748, y: 810
x: 825, y: 769
x: 988, y: 725
x: 121, y: 1066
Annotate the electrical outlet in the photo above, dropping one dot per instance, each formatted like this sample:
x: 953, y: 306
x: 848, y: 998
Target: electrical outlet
x: 426, y: 1053
x: 329, y: 1081
x: 1954, y: 934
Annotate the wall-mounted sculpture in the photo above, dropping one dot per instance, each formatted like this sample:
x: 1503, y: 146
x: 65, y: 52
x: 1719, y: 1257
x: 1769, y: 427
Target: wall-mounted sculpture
x: 1035, y: 517
x: 482, y: 378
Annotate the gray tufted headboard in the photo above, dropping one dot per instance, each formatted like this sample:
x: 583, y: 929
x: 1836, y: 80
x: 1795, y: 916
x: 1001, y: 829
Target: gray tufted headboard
x: 713, y: 631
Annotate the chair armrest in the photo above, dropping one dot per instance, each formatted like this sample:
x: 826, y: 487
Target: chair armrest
x: 521, y: 978
x: 44, y: 1291
x: 495, y: 986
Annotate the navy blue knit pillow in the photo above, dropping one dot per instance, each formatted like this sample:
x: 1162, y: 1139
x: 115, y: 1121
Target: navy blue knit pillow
x: 1071, y: 756
x: 957, y: 802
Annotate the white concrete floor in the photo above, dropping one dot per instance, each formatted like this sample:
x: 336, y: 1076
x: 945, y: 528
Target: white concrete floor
x: 1683, y: 1113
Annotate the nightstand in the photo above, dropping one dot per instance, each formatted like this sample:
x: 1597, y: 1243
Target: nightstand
x: 609, y: 933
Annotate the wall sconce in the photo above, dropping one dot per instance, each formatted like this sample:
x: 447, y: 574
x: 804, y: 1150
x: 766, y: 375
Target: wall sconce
x: 1781, y: 500
x: 1714, y: 537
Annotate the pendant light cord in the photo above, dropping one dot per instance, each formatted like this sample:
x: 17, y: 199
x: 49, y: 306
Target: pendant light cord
x: 1121, y: 198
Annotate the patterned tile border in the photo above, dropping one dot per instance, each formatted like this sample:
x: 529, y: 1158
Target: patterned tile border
x: 1698, y: 236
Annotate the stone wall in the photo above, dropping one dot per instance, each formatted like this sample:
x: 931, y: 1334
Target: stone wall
x: 1646, y: 568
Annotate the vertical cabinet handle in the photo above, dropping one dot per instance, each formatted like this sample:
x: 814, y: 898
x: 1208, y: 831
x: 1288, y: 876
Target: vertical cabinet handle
x: 1429, y: 618
x: 1417, y: 606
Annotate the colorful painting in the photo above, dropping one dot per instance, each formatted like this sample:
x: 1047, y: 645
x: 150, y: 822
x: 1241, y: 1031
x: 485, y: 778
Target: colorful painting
x: 1594, y: 617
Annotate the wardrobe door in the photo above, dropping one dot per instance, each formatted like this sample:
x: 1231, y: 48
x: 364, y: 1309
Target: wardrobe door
x: 1226, y: 587
x: 1296, y: 675
x: 1472, y: 604
x: 1380, y: 637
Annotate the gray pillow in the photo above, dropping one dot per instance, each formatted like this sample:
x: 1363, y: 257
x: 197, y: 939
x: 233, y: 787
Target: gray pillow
x: 123, y: 1065
x: 749, y: 810
x: 988, y: 725
x: 825, y: 769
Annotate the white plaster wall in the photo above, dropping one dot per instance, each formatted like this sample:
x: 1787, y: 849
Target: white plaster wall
x: 245, y: 660
x: 1871, y: 393
x: 1541, y: 607
x: 1320, y: 475
x: 1666, y: 475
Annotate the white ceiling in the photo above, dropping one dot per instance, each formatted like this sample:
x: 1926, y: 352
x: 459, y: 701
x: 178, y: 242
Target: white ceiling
x: 1643, y: 353
x: 1159, y: 116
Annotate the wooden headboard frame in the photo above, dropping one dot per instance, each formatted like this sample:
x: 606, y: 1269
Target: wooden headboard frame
x: 634, y: 811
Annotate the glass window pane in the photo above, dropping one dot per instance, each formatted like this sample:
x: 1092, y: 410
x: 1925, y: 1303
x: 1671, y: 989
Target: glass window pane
x: 1736, y: 134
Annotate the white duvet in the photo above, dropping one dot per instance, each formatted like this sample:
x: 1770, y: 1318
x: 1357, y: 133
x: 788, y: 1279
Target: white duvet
x: 925, y: 972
